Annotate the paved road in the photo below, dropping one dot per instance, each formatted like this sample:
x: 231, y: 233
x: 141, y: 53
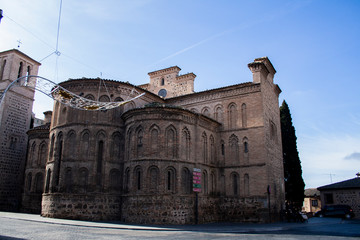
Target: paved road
x: 30, y: 226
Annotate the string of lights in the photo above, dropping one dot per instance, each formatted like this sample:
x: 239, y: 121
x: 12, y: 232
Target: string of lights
x: 64, y: 96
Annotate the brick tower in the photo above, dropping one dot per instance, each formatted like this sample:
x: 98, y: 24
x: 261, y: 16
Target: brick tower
x: 15, y: 117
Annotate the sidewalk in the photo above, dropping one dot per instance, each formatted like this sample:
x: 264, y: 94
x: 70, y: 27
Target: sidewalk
x: 210, y: 227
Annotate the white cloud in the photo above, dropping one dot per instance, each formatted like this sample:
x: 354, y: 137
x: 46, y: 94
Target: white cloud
x: 354, y: 156
x: 326, y: 157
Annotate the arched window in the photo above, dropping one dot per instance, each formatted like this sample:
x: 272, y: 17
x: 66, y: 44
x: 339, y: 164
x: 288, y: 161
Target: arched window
x: 42, y: 154
x: 162, y: 82
x: 104, y: 98
x: 234, y: 148
x: 139, y: 142
x: 20, y: 69
x: 212, y: 183
x: 71, y: 145
x: 138, y: 178
x: 243, y: 115
x: 52, y: 142
x: 246, y: 185
x: 28, y: 182
x: 235, y: 183
x: 185, y: 144
x: 212, y: 149
x: 219, y: 114
x: 205, y: 182
x: 246, y: 145
x: 48, y: 180
x: 129, y: 144
x: 186, y: 181
x: 28, y: 71
x: 32, y: 155
x: 170, y: 180
x: 204, y: 149
x: 68, y: 180
x: 115, y: 179
x: 206, y: 111
x: 153, y: 179
x: 99, y: 162
x: 232, y: 115
x: 83, y: 179
x: 2, y: 70
x: 222, y: 147
x: 246, y: 150
x: 154, y: 141
x: 127, y: 180
x: 116, y: 146
x: 39, y: 183
x: 171, y: 142
x: 85, y: 145
x: 30, y: 82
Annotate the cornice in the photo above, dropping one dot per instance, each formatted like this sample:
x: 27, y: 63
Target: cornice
x: 220, y: 93
x: 15, y: 51
x: 185, y: 76
x: 166, y: 70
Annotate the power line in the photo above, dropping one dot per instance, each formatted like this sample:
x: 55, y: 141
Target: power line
x: 24, y: 28
x: 56, y: 51
x: 58, y: 29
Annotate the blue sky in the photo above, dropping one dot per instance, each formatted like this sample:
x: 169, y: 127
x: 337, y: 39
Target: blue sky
x: 313, y: 45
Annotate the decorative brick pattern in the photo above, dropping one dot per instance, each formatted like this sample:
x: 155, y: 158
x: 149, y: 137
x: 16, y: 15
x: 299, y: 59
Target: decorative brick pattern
x: 135, y: 163
x: 15, y: 115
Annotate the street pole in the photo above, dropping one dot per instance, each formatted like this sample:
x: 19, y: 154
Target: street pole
x: 269, y: 205
x: 196, y: 208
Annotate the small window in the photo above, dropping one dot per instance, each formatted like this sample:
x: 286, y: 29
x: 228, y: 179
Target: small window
x: 162, y: 83
x: 2, y: 70
x: 28, y: 71
x: 138, y: 178
x: 329, y: 198
x: 314, y: 203
x: 246, y: 147
x: 20, y: 69
x: 170, y: 183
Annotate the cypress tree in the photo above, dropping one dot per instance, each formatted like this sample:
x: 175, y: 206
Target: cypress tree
x: 294, y: 183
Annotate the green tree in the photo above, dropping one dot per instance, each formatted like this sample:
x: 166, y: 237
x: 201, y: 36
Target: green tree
x: 294, y: 183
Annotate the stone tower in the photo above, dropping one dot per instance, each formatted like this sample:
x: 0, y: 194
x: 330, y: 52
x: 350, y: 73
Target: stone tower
x: 15, y: 117
x: 167, y: 83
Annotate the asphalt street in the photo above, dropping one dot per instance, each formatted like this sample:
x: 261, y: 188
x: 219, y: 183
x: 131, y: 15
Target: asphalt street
x: 31, y: 226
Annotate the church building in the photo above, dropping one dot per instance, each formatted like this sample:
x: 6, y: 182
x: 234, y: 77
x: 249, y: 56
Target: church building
x: 172, y: 156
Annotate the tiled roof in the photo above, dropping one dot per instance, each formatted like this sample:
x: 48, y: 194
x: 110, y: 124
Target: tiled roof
x: 310, y: 192
x: 351, y: 183
x: 46, y: 126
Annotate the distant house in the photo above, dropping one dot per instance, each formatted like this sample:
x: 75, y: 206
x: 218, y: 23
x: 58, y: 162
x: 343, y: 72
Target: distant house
x: 346, y: 192
x: 312, y: 202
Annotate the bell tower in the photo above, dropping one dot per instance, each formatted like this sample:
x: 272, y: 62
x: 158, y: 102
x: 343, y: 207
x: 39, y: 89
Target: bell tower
x: 15, y: 118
